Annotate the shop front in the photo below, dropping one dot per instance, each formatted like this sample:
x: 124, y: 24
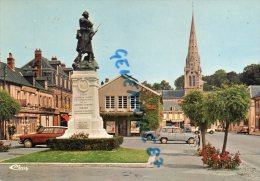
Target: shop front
x: 121, y: 126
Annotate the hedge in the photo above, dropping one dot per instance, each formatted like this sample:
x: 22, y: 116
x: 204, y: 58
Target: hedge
x: 85, y: 144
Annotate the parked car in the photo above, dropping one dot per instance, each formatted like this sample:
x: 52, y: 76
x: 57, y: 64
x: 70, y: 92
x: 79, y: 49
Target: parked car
x: 151, y: 135
x: 220, y: 128
x: 197, y: 131
x: 243, y: 129
x: 175, y: 134
x: 40, y: 137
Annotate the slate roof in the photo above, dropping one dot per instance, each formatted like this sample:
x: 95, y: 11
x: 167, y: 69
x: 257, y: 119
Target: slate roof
x: 15, y: 77
x: 168, y: 104
x: 171, y: 94
x: 254, y: 91
x: 46, y: 67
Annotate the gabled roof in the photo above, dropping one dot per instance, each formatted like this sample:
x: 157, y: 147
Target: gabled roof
x: 132, y: 79
x: 172, y: 94
x: 254, y: 91
x: 15, y: 77
x: 46, y: 66
x: 168, y: 104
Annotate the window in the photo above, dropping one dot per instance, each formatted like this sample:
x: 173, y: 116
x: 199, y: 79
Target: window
x: 164, y: 130
x: 169, y: 130
x: 177, y: 131
x: 58, y: 130
x: 190, y: 84
x: 193, y: 80
x: 122, y: 102
x: 57, y: 101
x: 48, y: 130
x: 135, y: 102
x: 110, y: 102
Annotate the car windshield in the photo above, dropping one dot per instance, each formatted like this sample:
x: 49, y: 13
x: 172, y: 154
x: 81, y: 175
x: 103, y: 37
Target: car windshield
x: 40, y: 130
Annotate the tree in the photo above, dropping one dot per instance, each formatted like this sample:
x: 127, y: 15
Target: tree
x: 251, y: 75
x: 165, y: 85
x: 145, y: 83
x: 9, y: 106
x: 179, y: 83
x: 233, y: 78
x: 228, y: 105
x: 157, y: 86
x: 193, y: 107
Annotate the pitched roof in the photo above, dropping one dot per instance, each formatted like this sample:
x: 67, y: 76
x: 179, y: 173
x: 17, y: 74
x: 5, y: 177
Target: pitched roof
x: 167, y: 105
x: 171, y: 94
x: 15, y: 77
x: 254, y: 91
x: 132, y: 79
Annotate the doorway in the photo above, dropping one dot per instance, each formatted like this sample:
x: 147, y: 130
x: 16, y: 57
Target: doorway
x: 122, y: 128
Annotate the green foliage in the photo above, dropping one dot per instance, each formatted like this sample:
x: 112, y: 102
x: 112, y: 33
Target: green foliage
x: 8, y: 106
x: 193, y: 107
x: 179, y: 83
x: 230, y: 104
x: 145, y: 83
x: 163, y: 85
x: 120, y: 155
x: 151, y: 115
x: 80, y: 135
x: 251, y: 75
x: 85, y: 144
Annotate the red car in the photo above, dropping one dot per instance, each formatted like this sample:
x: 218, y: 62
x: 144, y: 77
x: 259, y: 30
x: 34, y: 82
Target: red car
x: 39, y: 138
x: 243, y: 129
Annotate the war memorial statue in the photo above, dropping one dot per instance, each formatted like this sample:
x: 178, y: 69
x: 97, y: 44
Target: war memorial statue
x: 85, y: 103
x: 84, y: 46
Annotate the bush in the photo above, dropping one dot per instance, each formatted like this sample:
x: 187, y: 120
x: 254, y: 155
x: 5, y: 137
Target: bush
x: 80, y: 135
x: 4, y: 148
x: 213, y: 158
x: 85, y: 144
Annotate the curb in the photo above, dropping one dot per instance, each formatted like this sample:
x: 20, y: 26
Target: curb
x: 123, y: 165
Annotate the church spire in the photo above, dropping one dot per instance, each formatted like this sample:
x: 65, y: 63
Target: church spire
x: 193, y: 46
x: 192, y: 71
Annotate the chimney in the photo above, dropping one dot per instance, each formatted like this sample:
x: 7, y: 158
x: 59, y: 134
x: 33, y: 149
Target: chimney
x: 11, y: 62
x: 63, y: 65
x: 38, y: 62
x: 54, y: 58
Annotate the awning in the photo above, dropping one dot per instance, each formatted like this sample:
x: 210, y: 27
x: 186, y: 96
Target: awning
x: 66, y: 117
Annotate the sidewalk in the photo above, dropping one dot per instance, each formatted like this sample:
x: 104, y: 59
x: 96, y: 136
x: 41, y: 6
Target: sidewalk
x: 18, y: 150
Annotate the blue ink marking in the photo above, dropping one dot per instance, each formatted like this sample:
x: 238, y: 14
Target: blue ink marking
x: 121, y: 62
x: 124, y: 72
x: 157, y: 162
x: 150, y: 151
x: 153, y: 151
x: 117, y: 54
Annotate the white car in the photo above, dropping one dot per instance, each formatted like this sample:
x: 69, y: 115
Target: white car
x: 197, y: 131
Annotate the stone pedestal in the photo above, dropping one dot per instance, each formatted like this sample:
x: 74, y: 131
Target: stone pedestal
x: 85, y: 106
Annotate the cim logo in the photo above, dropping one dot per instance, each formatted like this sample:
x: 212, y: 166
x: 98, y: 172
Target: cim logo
x: 18, y: 167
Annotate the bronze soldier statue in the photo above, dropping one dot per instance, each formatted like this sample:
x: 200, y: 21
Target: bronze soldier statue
x: 84, y: 46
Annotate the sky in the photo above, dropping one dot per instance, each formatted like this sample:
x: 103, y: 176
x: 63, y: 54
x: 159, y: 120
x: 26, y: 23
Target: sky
x: 155, y: 33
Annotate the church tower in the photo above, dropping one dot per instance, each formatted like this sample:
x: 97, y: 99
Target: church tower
x: 192, y: 70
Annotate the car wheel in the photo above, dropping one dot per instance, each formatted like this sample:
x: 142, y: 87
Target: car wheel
x: 28, y: 143
x: 149, y: 138
x: 197, y: 132
x: 163, y: 140
x: 211, y: 132
x: 191, y: 141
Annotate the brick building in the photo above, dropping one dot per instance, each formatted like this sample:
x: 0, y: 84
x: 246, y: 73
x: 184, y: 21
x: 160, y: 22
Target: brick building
x: 43, y: 88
